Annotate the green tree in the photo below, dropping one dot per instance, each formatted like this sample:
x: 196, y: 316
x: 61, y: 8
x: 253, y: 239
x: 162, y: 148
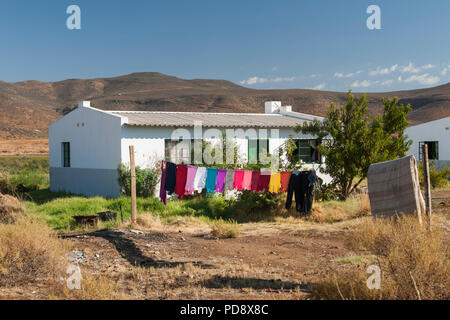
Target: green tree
x: 351, y: 140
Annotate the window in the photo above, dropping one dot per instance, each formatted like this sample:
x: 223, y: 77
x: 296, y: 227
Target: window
x: 257, y: 147
x: 178, y: 151
x: 66, y: 154
x: 433, y: 149
x: 307, y: 151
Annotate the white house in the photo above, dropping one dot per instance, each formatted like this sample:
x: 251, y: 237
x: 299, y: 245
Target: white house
x: 88, y: 144
x: 436, y: 134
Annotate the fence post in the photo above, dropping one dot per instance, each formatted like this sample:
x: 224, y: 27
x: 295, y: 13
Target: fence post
x: 426, y: 179
x: 133, y: 187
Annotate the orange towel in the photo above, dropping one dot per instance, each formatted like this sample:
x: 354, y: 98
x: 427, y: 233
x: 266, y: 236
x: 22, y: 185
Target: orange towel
x: 275, y: 182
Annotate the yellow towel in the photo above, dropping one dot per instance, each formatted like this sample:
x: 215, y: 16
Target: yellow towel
x: 275, y: 182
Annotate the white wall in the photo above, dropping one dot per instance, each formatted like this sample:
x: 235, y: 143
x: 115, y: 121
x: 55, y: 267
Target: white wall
x: 94, y: 138
x: 438, y: 130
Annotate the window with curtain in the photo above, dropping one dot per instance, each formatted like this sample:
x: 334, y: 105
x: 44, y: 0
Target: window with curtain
x: 307, y: 151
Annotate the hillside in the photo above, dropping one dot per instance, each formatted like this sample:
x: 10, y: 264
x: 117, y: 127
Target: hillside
x: 27, y: 108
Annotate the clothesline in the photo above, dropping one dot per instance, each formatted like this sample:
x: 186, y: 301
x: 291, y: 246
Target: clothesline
x: 184, y: 180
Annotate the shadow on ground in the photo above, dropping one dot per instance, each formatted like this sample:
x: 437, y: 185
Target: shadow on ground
x: 219, y: 282
x: 127, y: 248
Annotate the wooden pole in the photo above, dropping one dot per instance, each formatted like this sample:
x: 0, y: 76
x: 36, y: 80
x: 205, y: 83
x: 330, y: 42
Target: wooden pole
x: 133, y: 187
x: 426, y: 179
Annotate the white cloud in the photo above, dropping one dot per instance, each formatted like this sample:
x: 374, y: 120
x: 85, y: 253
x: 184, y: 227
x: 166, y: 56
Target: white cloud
x: 387, y: 82
x: 383, y: 71
x: 314, y: 75
x: 259, y: 80
x: 411, y: 68
x: 319, y: 86
x: 445, y: 70
x: 275, y: 68
x: 348, y: 75
x: 363, y: 83
x: 425, y: 79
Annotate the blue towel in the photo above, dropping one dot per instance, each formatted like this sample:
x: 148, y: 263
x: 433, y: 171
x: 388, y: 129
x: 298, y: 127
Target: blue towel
x: 211, y: 179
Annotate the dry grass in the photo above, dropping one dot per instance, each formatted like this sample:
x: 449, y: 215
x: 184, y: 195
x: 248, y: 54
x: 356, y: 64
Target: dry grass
x: 225, y: 229
x: 335, y: 211
x: 29, y: 250
x: 414, y: 263
x: 10, y: 208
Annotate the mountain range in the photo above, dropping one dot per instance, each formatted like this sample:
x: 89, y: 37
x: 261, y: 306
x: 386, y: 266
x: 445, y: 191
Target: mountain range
x: 28, y: 107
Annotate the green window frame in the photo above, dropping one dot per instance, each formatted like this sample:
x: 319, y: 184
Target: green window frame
x: 255, y: 147
x: 66, y: 154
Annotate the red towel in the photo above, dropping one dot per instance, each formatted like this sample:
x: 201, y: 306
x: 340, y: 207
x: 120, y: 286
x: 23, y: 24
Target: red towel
x: 263, y: 182
x: 255, y: 178
x: 285, y: 176
x: 238, y: 177
x: 181, y: 180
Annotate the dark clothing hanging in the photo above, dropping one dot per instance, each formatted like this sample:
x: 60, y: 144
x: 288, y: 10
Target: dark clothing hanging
x: 171, y: 177
x: 302, y: 184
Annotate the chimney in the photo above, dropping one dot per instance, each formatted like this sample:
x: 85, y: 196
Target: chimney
x: 285, y: 109
x: 84, y: 104
x: 272, y: 107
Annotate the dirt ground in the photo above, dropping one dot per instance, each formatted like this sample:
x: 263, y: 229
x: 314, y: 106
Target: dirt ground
x: 24, y: 147
x: 268, y: 261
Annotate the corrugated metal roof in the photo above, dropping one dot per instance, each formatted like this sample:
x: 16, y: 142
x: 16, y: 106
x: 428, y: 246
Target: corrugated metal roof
x: 225, y: 120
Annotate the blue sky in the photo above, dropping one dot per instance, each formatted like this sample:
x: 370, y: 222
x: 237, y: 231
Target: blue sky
x: 259, y: 44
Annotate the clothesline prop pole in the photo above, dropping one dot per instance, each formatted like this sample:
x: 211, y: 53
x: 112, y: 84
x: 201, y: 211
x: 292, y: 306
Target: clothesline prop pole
x: 133, y: 187
x: 426, y: 178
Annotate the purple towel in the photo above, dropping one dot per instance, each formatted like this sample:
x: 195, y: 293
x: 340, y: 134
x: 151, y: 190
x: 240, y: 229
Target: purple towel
x: 162, y: 190
x: 221, y: 174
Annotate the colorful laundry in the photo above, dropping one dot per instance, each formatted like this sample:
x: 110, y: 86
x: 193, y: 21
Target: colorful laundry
x: 229, y: 180
x: 162, y: 190
x: 220, y: 183
x: 238, y: 178
x: 285, y: 178
x: 211, y: 180
x: 263, y: 181
x: 181, y: 180
x: 200, y: 179
x: 247, y: 180
x: 275, y: 182
x: 171, y: 177
x: 255, y: 179
x: 191, y: 173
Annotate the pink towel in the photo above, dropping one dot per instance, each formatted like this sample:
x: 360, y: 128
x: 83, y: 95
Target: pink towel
x: 238, y: 178
x: 247, y: 181
x: 190, y: 179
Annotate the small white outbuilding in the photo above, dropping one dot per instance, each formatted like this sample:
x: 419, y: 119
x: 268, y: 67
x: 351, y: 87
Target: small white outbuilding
x: 88, y: 144
x: 436, y: 134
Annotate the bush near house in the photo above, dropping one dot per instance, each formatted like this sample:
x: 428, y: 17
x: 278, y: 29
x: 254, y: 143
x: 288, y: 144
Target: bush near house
x: 146, y: 180
x: 438, y: 178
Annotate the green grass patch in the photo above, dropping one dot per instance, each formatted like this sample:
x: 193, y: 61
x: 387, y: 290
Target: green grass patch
x: 58, y: 209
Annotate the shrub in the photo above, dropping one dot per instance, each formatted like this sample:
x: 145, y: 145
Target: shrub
x: 4, y: 182
x: 253, y: 203
x: 146, y: 180
x: 414, y: 263
x: 438, y: 178
x: 225, y: 229
x: 29, y: 250
x: 10, y: 207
